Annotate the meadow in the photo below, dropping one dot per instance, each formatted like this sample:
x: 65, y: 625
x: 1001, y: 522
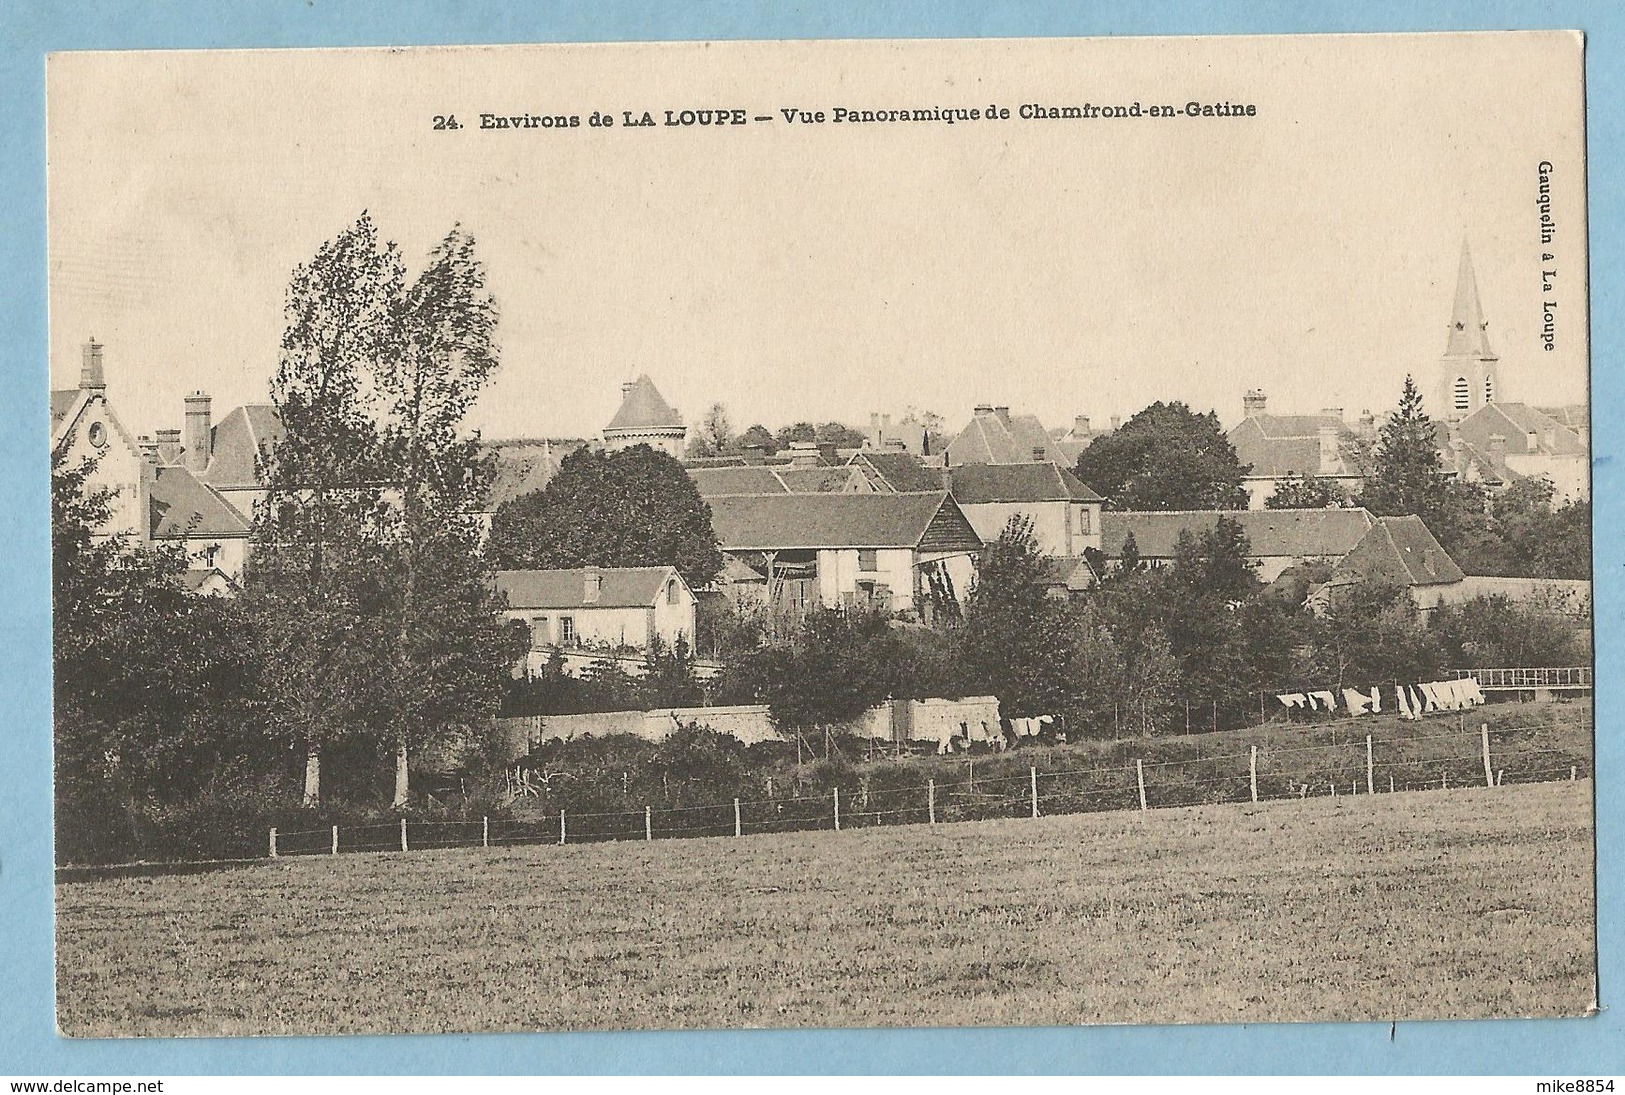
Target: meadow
x: 1471, y: 902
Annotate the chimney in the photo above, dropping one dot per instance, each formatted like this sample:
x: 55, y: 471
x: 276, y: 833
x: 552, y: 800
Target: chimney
x: 1252, y: 403
x: 149, y: 449
x: 1039, y: 454
x: 626, y: 388
x: 91, y: 376
x: 1003, y: 413
x: 874, y: 429
x: 983, y: 410
x: 1117, y: 422
x: 754, y: 452
x: 592, y: 586
x: 169, y: 447
x: 1332, y: 412
x: 1330, y: 459
x: 803, y: 454
x: 828, y: 454
x: 1080, y: 426
x: 199, y: 438
x: 1368, y: 421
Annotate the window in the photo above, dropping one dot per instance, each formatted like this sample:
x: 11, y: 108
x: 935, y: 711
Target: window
x: 1463, y: 394
x: 541, y: 636
x: 98, y: 435
x: 1489, y: 389
x: 672, y: 597
x: 1083, y: 520
x: 567, y: 630
x: 868, y: 560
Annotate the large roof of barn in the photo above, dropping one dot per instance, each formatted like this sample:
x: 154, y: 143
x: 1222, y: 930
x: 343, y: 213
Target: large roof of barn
x: 622, y: 587
x: 771, y: 522
x: 180, y: 506
x: 1400, y: 550
x: 643, y: 408
x: 1294, y: 533
x: 974, y: 484
x: 524, y: 465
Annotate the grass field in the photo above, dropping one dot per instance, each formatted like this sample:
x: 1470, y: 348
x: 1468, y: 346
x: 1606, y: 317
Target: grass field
x: 1465, y: 903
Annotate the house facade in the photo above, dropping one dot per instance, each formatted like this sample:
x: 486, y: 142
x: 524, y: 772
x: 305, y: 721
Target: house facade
x: 1276, y: 538
x: 1064, y: 511
x: 625, y: 608
x: 85, y: 427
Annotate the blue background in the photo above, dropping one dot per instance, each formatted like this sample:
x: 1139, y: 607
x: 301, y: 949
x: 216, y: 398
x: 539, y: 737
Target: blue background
x: 28, y: 1043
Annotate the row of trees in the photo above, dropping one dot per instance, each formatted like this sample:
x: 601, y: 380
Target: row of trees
x: 1130, y: 655
x: 714, y: 434
x: 368, y: 626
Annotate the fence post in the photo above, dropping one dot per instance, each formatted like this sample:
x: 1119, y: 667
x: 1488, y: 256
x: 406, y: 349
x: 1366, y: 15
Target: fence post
x: 273, y: 842
x: 1139, y: 774
x: 403, y: 834
x: 648, y: 824
x: 738, y: 826
x: 485, y: 832
x: 1252, y: 770
x: 1500, y: 777
x: 931, y: 800
x: 837, y: 791
x: 1032, y: 775
x: 561, y: 824
x: 335, y: 840
x: 1390, y: 783
x: 1489, y: 774
x: 1574, y: 771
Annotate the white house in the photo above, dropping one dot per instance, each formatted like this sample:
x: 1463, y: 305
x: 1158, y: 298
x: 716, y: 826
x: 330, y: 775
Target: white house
x: 83, y: 426
x: 895, y: 552
x: 622, y: 607
x: 1065, y: 513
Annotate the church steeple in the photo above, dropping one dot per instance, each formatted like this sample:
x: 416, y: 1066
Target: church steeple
x: 1469, y: 334
x: 1469, y: 371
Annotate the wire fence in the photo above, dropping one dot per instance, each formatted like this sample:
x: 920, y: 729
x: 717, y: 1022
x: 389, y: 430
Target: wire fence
x: 1283, y: 763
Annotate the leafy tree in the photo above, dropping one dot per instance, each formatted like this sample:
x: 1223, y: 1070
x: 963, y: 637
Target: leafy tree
x: 631, y: 507
x: 1215, y: 562
x: 714, y: 435
x: 315, y: 554
x: 936, y: 437
x: 1307, y: 492
x: 1018, y: 643
x: 840, y: 435
x: 154, y: 688
x: 1372, y: 634
x: 668, y: 678
x: 797, y: 431
x: 831, y: 670
x: 1167, y: 457
x: 450, y: 652
x: 1498, y: 631
x: 759, y: 437
x: 1408, y: 476
x: 1129, y: 561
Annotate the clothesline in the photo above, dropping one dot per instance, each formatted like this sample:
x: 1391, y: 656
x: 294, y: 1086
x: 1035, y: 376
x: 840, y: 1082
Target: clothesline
x: 1413, y: 701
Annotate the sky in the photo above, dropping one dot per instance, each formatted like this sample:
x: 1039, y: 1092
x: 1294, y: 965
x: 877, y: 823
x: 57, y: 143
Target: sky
x: 826, y: 271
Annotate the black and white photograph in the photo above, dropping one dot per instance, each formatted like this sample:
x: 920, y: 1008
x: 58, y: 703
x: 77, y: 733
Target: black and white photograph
x: 805, y: 534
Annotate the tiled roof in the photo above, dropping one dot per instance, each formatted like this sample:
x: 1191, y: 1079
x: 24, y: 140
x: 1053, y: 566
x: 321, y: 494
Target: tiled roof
x: 743, y: 479
x: 182, y: 507
x: 623, y: 587
x: 1399, y: 550
x: 1286, y: 444
x: 819, y: 480
x: 1071, y: 571
x: 768, y: 522
x: 643, y: 409
x: 1515, y: 422
x: 975, y: 484
x: 524, y: 466
x: 238, y: 442
x: 1293, y: 533
x: 62, y: 401
x: 898, y: 471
